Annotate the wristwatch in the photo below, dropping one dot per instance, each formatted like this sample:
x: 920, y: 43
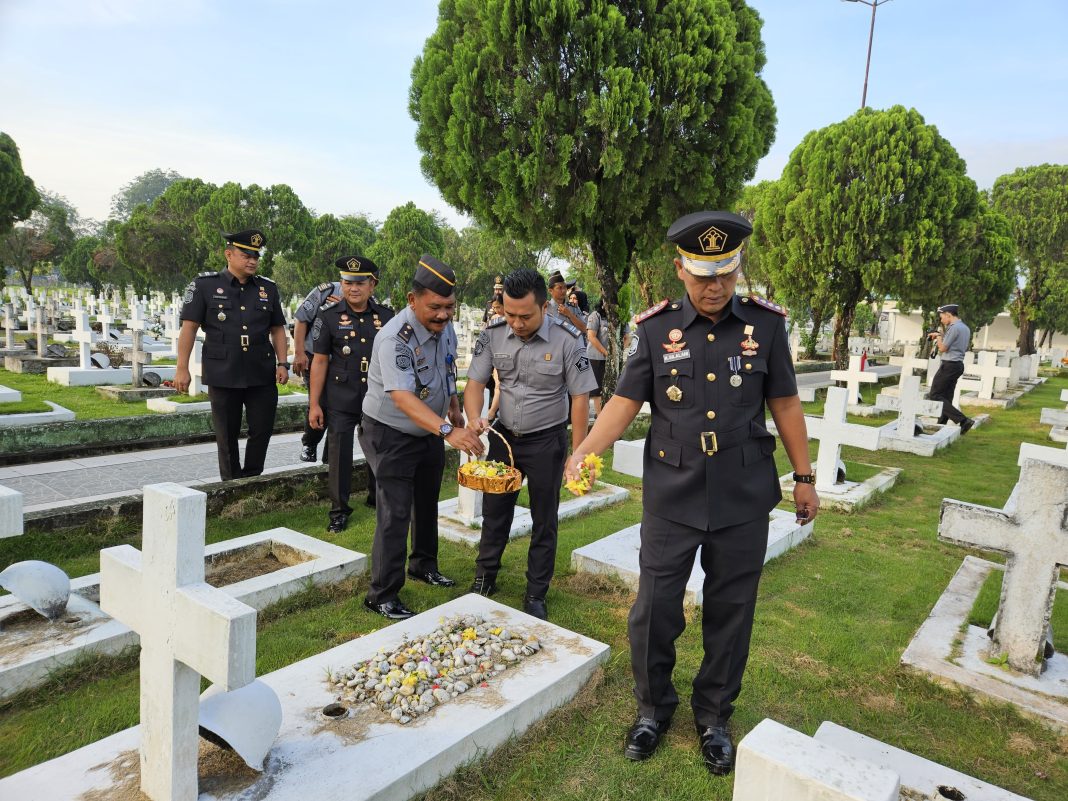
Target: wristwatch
x: 806, y: 478
x: 284, y: 364
x: 445, y: 429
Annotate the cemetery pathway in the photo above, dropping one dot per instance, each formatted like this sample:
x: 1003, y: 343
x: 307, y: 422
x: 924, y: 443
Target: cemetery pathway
x: 53, y: 485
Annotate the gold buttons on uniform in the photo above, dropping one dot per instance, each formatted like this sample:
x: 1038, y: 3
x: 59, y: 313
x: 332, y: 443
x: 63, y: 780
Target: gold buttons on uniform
x: 242, y: 308
x: 711, y: 376
x: 244, y: 328
x: 674, y: 371
x: 748, y: 366
x: 710, y: 415
x: 244, y: 348
x: 661, y: 454
x: 363, y: 339
x: 711, y: 337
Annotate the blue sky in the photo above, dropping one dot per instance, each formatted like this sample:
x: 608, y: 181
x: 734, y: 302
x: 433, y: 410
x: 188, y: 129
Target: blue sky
x: 314, y: 93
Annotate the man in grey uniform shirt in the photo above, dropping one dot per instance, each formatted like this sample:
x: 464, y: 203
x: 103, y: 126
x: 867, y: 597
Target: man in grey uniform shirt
x: 952, y: 344
x: 540, y: 362
x: 328, y: 291
x: 411, y: 384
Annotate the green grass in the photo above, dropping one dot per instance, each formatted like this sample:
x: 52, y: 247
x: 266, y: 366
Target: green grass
x: 24, y: 407
x: 833, y: 619
x: 986, y: 606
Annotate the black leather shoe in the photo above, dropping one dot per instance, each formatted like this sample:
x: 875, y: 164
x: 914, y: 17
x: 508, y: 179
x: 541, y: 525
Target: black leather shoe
x: 307, y: 453
x: 535, y: 607
x: 484, y: 585
x: 338, y: 523
x: 433, y: 577
x: 643, y: 738
x: 717, y: 749
x: 394, y: 610
x: 370, y: 501
x: 966, y: 426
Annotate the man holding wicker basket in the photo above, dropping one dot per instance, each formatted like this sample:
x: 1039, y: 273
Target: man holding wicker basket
x: 541, y: 364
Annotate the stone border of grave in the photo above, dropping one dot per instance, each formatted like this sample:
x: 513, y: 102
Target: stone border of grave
x: 57, y: 415
x: 48, y: 441
x: 8, y: 395
x: 329, y: 564
x: 932, y: 652
x: 167, y: 406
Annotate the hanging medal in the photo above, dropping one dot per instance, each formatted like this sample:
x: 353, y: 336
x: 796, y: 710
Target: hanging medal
x: 222, y: 317
x: 749, y: 345
x: 735, y: 364
x: 346, y: 350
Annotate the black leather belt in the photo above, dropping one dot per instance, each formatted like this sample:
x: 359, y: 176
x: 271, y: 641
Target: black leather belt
x: 708, y: 442
x: 529, y: 434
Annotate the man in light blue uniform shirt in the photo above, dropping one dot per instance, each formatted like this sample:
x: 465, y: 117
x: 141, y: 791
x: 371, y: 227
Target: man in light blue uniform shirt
x: 952, y: 344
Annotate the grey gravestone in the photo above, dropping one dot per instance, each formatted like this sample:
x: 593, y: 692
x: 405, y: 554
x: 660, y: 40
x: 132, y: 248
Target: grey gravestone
x: 57, y: 350
x: 101, y: 360
x: 152, y: 380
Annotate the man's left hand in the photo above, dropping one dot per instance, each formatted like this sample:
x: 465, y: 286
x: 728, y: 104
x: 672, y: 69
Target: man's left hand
x: 456, y: 417
x: 806, y: 502
x: 281, y: 375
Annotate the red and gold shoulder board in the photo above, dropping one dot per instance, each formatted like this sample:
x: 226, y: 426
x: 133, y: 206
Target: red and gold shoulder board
x: 767, y: 304
x: 650, y: 312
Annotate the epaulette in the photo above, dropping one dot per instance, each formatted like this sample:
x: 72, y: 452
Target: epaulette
x: 379, y: 304
x: 325, y: 285
x: 329, y: 305
x: 406, y: 332
x: 265, y: 278
x: 208, y: 274
x: 564, y: 324
x: 652, y: 311
x: 498, y: 323
x: 766, y: 304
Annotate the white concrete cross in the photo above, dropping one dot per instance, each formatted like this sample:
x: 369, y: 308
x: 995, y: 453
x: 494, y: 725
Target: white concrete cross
x: 188, y: 629
x: 42, y: 333
x: 85, y: 337
x: 10, y: 324
x: 105, y: 319
x: 136, y: 321
x: 196, y: 369
x: 1009, y: 359
x: 853, y: 377
x: 932, y: 369
x: 987, y: 371
x: 172, y: 326
x: 833, y: 432
x: 1032, y: 533
x: 965, y: 385
x: 910, y: 403
x: 138, y: 358
x: 908, y: 361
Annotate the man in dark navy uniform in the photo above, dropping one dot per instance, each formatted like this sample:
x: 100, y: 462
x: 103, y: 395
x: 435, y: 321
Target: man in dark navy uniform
x: 707, y: 364
x: 245, y: 350
x: 343, y: 335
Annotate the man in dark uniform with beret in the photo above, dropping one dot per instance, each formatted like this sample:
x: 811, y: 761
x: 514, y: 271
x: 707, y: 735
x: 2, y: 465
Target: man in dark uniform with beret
x: 342, y: 337
x: 304, y: 320
x: 411, y: 385
x: 707, y: 364
x: 245, y: 350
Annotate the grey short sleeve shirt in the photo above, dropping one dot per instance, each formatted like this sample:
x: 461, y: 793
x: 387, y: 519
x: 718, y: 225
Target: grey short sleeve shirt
x: 308, y: 310
x: 956, y: 339
x: 535, y: 376
x: 407, y: 356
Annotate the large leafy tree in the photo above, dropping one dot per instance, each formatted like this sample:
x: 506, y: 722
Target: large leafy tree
x: 77, y: 265
x: 479, y: 255
x: 332, y: 238
x: 1035, y: 201
x: 407, y: 234
x: 160, y: 242
x: 39, y: 243
x: 141, y: 191
x: 599, y: 122
x: 18, y: 195
x: 865, y: 208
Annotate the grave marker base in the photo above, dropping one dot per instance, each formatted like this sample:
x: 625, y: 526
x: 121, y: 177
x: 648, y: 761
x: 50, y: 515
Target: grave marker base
x: 851, y: 495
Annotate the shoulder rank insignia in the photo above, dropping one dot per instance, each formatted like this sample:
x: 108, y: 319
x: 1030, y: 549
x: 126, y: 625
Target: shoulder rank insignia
x: 496, y: 323
x: 329, y: 305
x: 564, y: 324
x: 654, y: 310
x: 207, y: 274
x: 265, y: 278
x: 406, y: 332
x: 766, y: 304
x: 325, y: 285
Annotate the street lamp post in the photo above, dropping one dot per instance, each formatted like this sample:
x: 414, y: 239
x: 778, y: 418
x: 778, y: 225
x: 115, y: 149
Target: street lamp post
x: 871, y: 34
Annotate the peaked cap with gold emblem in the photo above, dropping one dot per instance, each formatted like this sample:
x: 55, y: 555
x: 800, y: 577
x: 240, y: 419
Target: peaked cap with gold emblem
x: 710, y: 242
x: 436, y: 276
x: 250, y: 241
x: 356, y: 268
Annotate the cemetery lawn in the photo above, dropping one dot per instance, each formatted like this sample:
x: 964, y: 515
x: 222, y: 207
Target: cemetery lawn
x: 832, y: 621
x: 24, y: 407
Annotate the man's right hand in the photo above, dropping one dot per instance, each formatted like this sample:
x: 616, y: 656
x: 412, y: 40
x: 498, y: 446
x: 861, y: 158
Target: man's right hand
x: 300, y: 362
x: 478, y: 424
x: 466, y: 440
x: 181, y: 379
x: 315, y: 417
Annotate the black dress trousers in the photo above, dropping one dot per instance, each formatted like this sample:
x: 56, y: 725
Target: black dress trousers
x: 732, y: 559
x: 313, y: 436
x: 540, y: 458
x: 260, y: 405
x: 408, y: 469
x: 943, y: 386
x: 339, y: 447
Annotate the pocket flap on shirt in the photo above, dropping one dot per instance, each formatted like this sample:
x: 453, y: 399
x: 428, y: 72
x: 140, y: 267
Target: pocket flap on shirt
x: 663, y: 450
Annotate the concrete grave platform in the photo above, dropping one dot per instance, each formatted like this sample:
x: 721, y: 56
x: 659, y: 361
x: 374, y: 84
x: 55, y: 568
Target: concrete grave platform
x: 168, y: 406
x: 57, y: 415
x: 617, y: 554
x: 850, y: 495
x: 1001, y: 400
x: 937, y: 651
x: 130, y: 394
x: 628, y: 457
x: 96, y: 376
x: 8, y: 395
x: 36, y: 365
x: 809, y: 393
x: 32, y: 652
x: 10, y: 513
x: 454, y: 528
x: 926, y: 444
x: 355, y: 756
x: 920, y: 778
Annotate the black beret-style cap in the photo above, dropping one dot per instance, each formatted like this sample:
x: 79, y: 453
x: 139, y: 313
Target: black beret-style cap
x: 710, y: 242
x: 950, y: 308
x: 356, y: 268
x: 436, y: 276
x: 251, y: 241
x: 556, y: 278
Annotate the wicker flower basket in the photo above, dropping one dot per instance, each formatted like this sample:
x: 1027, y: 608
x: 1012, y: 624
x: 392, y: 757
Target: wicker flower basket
x: 509, y: 481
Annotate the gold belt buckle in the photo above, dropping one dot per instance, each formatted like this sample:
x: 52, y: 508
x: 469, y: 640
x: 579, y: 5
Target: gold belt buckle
x: 363, y: 365
x: 709, y: 449
x: 244, y: 340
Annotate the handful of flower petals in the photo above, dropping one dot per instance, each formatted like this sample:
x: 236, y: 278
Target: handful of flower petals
x: 589, y: 468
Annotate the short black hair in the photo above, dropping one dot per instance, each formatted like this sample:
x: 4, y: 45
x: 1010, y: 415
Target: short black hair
x: 522, y: 282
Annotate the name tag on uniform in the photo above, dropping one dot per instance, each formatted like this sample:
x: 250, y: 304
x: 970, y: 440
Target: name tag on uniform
x: 344, y: 328
x: 675, y: 357
x: 421, y: 369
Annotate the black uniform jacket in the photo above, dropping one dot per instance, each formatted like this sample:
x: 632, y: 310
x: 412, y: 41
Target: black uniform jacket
x: 708, y: 456
x: 337, y: 328
x: 237, y: 320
